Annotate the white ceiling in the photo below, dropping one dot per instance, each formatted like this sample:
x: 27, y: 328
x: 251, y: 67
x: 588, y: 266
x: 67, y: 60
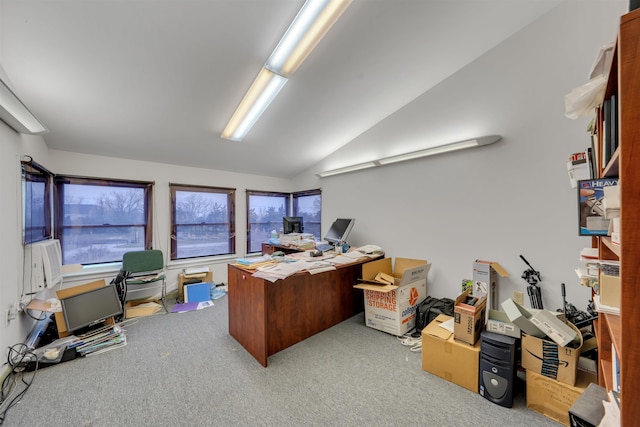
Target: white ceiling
x: 158, y: 79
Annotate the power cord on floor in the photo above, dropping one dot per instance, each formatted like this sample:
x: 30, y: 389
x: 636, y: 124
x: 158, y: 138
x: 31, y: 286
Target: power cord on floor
x: 10, y: 394
x: 410, y: 341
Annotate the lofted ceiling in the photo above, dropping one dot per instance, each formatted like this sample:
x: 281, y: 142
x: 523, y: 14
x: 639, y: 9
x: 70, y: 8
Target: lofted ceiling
x: 157, y: 80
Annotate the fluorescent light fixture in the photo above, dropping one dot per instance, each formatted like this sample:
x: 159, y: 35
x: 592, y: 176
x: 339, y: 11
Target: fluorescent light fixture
x: 438, y: 149
x: 15, y: 114
x: 310, y: 25
x: 263, y: 90
x: 345, y: 169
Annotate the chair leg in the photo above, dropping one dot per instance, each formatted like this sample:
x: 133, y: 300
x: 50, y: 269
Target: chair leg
x: 164, y: 295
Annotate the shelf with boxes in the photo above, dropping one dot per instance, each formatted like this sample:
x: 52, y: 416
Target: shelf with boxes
x: 616, y: 143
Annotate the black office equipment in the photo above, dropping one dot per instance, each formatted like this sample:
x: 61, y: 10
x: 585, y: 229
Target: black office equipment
x: 497, y: 373
x: 339, y: 230
x: 532, y: 277
x: 292, y: 224
x: 90, y: 308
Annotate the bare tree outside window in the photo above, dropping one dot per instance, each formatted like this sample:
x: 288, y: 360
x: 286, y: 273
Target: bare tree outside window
x: 99, y: 220
x: 202, y: 221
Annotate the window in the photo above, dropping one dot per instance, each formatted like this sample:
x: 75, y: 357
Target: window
x: 98, y: 220
x: 202, y: 221
x: 36, y: 202
x: 264, y: 214
x: 308, y: 205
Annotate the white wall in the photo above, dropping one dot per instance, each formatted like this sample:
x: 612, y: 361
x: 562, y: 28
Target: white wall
x: 493, y: 202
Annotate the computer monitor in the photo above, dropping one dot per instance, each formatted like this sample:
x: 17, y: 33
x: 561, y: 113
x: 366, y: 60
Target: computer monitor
x: 339, y: 230
x: 292, y: 224
x: 91, y: 308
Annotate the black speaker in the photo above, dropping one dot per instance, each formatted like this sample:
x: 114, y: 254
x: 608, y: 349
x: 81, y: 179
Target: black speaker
x: 497, y: 373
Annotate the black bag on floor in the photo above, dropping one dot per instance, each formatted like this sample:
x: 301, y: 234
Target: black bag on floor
x: 429, y: 309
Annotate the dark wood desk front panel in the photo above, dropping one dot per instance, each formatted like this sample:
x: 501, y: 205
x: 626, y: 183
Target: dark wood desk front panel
x: 267, y: 317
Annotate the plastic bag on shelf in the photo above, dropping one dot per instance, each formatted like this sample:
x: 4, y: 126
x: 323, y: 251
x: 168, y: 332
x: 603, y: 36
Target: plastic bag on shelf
x: 583, y: 100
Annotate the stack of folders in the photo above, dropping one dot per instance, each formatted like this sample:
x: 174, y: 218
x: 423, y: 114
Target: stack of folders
x: 101, y: 340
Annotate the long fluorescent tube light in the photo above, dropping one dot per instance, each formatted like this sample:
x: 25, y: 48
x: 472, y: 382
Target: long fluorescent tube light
x: 461, y: 145
x: 263, y: 90
x: 309, y: 26
x: 440, y: 149
x: 346, y: 169
x: 311, y: 23
x: 15, y: 114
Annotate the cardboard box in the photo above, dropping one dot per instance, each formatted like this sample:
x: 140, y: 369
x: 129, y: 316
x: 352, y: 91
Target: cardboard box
x: 545, y: 357
x: 610, y: 290
x: 392, y: 308
x: 184, y: 279
x: 588, y: 410
x: 552, y: 398
x: 485, y: 281
x: 521, y: 317
x: 139, y: 309
x: 449, y: 359
x: 553, y: 327
x: 499, y: 323
x: 469, y: 318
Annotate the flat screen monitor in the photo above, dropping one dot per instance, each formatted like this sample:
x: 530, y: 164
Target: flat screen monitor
x: 292, y: 224
x: 91, y: 308
x: 339, y: 230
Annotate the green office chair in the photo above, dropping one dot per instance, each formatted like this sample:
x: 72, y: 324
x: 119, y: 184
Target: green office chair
x: 144, y: 273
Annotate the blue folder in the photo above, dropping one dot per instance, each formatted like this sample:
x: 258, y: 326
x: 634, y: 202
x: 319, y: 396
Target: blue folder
x: 197, y: 292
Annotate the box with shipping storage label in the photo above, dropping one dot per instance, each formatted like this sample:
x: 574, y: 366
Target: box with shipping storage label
x: 392, y: 308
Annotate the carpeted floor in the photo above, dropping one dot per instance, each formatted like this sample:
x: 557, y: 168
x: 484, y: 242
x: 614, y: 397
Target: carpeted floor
x: 185, y: 369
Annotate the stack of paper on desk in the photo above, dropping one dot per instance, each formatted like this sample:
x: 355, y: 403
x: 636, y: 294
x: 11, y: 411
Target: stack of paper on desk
x: 280, y: 270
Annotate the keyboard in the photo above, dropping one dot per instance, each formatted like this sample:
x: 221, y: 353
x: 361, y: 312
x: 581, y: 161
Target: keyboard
x: 325, y: 247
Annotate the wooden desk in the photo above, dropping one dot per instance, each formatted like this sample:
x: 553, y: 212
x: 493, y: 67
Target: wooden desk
x: 267, y: 317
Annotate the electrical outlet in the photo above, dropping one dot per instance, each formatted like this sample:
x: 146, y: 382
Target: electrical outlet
x: 12, y: 313
x: 518, y: 297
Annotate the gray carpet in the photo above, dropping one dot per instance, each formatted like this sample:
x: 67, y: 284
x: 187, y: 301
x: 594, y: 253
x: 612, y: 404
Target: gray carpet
x: 185, y: 369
